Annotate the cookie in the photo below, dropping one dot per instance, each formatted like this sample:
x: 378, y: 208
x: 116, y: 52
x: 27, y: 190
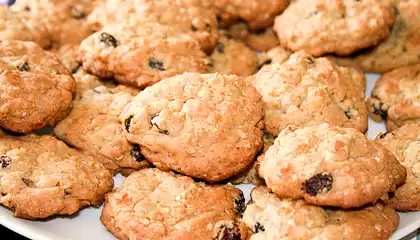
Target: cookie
x: 152, y: 204
x: 330, y: 166
x: 339, y: 27
x: 206, y: 126
x: 19, y: 26
x: 395, y: 97
x: 41, y: 177
x: 141, y: 53
x: 35, y: 89
x: 185, y: 16
x: 65, y: 20
x: 261, y: 40
x: 306, y: 90
x: 271, y: 217
x: 233, y: 57
x: 92, y: 126
x: 68, y: 55
x: 404, y: 143
x: 258, y: 14
x: 400, y: 48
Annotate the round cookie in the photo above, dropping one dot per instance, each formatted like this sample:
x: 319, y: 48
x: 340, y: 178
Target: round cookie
x: 395, y: 97
x: 339, y: 27
x: 404, y: 143
x: 206, y: 126
x: 35, y: 89
x: 152, y: 204
x: 306, y: 90
x: 185, y: 16
x: 141, y: 53
x: 41, y: 177
x: 400, y: 48
x: 271, y: 217
x: 92, y: 126
x: 233, y: 57
x: 330, y: 166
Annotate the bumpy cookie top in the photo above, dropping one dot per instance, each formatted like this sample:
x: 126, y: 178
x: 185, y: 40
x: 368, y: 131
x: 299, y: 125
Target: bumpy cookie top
x: 152, y: 204
x: 330, y: 166
x: 92, y: 126
x: 396, y: 97
x: 41, y: 176
x: 404, y: 143
x: 233, y: 57
x: 208, y: 126
x: 271, y: 217
x: 400, y: 48
x: 186, y: 16
x: 306, y: 90
x: 35, y: 88
x: 339, y: 26
x: 141, y: 53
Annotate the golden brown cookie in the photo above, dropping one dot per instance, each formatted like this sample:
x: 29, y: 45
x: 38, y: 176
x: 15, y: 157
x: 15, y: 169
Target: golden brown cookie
x: 330, y: 166
x: 339, y: 27
x: 233, y: 57
x: 41, y: 177
x: 141, y: 53
x: 207, y: 126
x: 271, y: 217
x: 35, y: 89
x: 306, y: 90
x: 395, y: 97
x: 157, y: 205
x: 404, y: 143
x: 185, y: 16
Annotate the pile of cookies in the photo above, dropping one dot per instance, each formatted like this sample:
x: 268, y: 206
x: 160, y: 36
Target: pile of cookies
x: 187, y: 98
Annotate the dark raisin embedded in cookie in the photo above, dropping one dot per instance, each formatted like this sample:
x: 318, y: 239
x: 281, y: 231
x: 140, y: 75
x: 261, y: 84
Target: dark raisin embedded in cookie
x: 229, y: 232
x: 5, y: 161
x: 28, y: 182
x: 380, y: 109
x: 67, y: 192
x: 319, y: 183
x: 108, y: 39
x: 220, y: 47
x: 77, y: 13
x: 240, y: 204
x: 156, y: 64
x: 193, y: 28
x: 127, y: 123
x: 258, y: 227
x: 136, y: 153
x: 24, y: 67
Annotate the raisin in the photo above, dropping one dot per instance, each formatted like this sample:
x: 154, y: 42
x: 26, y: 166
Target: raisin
x: 218, y: 18
x: 77, y: 13
x: 156, y: 64
x: 348, y: 114
x: 136, y: 153
x: 319, y: 183
x: 27, y: 8
x: 193, y: 28
x: 379, y: 110
x: 127, y: 123
x: 5, y: 161
x: 391, y: 194
x: 24, y: 67
x: 240, y: 204
x: 28, y: 182
x: 3, y: 194
x: 108, y: 39
x: 404, y: 49
x: 258, y: 227
x: 228, y: 232
x: 66, y: 192
x: 220, y: 47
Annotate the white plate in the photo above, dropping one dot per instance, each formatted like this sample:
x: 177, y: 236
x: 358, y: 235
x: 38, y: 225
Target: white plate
x: 86, y: 225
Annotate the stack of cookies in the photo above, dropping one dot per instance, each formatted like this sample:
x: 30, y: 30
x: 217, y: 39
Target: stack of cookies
x: 187, y: 98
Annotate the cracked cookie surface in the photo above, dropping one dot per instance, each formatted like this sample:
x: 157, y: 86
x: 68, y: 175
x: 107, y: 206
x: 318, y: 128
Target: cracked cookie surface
x: 340, y: 27
x: 41, y: 177
x: 140, y: 53
x: 304, y: 90
x: 395, y: 97
x: 404, y: 143
x: 35, y: 88
x: 207, y: 126
x: 152, y: 204
x: 330, y: 166
x: 271, y: 217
